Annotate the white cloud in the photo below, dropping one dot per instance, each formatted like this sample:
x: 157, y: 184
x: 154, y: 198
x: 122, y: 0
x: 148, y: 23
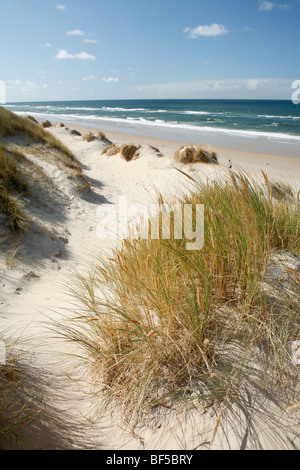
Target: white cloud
x: 266, y: 5
x: 40, y: 72
x: 90, y: 41
x: 75, y: 32
x: 208, y: 31
x: 88, y: 78
x: 46, y: 45
x: 110, y: 80
x: 60, y: 7
x: 63, y: 54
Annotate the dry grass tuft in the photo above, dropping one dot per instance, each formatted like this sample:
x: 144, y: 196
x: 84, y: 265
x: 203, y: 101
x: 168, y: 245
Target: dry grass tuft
x: 12, y: 125
x: 31, y: 118
x: 167, y: 318
x: 13, y: 419
x: 195, y: 154
x: 102, y: 137
x: 90, y: 137
x: 111, y: 150
x: 15, y: 168
x: 156, y: 150
x: 12, y: 186
x: 130, y: 151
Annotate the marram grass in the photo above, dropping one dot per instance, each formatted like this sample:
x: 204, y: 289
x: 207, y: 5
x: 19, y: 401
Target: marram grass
x: 15, y: 168
x: 158, y: 320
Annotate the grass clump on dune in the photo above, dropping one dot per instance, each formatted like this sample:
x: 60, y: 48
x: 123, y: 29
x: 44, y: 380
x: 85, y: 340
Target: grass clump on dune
x: 195, y: 154
x: 162, y: 331
x: 128, y: 152
x: 14, y: 415
x: 12, y: 125
x: 12, y: 186
x: 90, y: 137
x: 103, y: 138
x: 111, y: 150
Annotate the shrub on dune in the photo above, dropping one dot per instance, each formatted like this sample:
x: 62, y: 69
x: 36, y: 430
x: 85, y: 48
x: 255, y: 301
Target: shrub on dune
x: 195, y: 154
x: 102, y: 137
x: 156, y: 150
x: 111, y: 150
x: 90, y: 137
x: 130, y: 151
x: 31, y: 118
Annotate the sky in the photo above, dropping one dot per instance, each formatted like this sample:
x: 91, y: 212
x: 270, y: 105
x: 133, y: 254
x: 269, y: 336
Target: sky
x: 142, y: 49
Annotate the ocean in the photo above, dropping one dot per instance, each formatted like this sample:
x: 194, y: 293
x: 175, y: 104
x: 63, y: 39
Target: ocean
x: 216, y: 122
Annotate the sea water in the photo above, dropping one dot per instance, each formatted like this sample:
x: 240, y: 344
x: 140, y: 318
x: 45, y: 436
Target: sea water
x: 268, y: 124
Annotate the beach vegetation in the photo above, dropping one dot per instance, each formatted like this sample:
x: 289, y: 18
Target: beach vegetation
x: 90, y: 137
x: 20, y: 136
x: 13, y: 125
x: 195, y: 154
x: 162, y: 326
x: 156, y: 150
x: 128, y: 152
x: 12, y: 186
x: 103, y: 138
x: 111, y: 150
x: 17, y: 408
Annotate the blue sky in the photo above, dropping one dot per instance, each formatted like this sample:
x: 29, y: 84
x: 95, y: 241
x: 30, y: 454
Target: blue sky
x: 126, y: 49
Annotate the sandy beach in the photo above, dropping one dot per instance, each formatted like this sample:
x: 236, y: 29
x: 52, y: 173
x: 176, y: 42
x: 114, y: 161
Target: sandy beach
x: 34, y: 294
x: 281, y: 166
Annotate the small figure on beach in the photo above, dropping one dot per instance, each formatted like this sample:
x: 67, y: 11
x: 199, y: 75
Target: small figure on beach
x: 229, y: 164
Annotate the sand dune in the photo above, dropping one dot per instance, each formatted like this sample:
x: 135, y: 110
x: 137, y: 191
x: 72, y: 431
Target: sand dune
x: 34, y: 294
